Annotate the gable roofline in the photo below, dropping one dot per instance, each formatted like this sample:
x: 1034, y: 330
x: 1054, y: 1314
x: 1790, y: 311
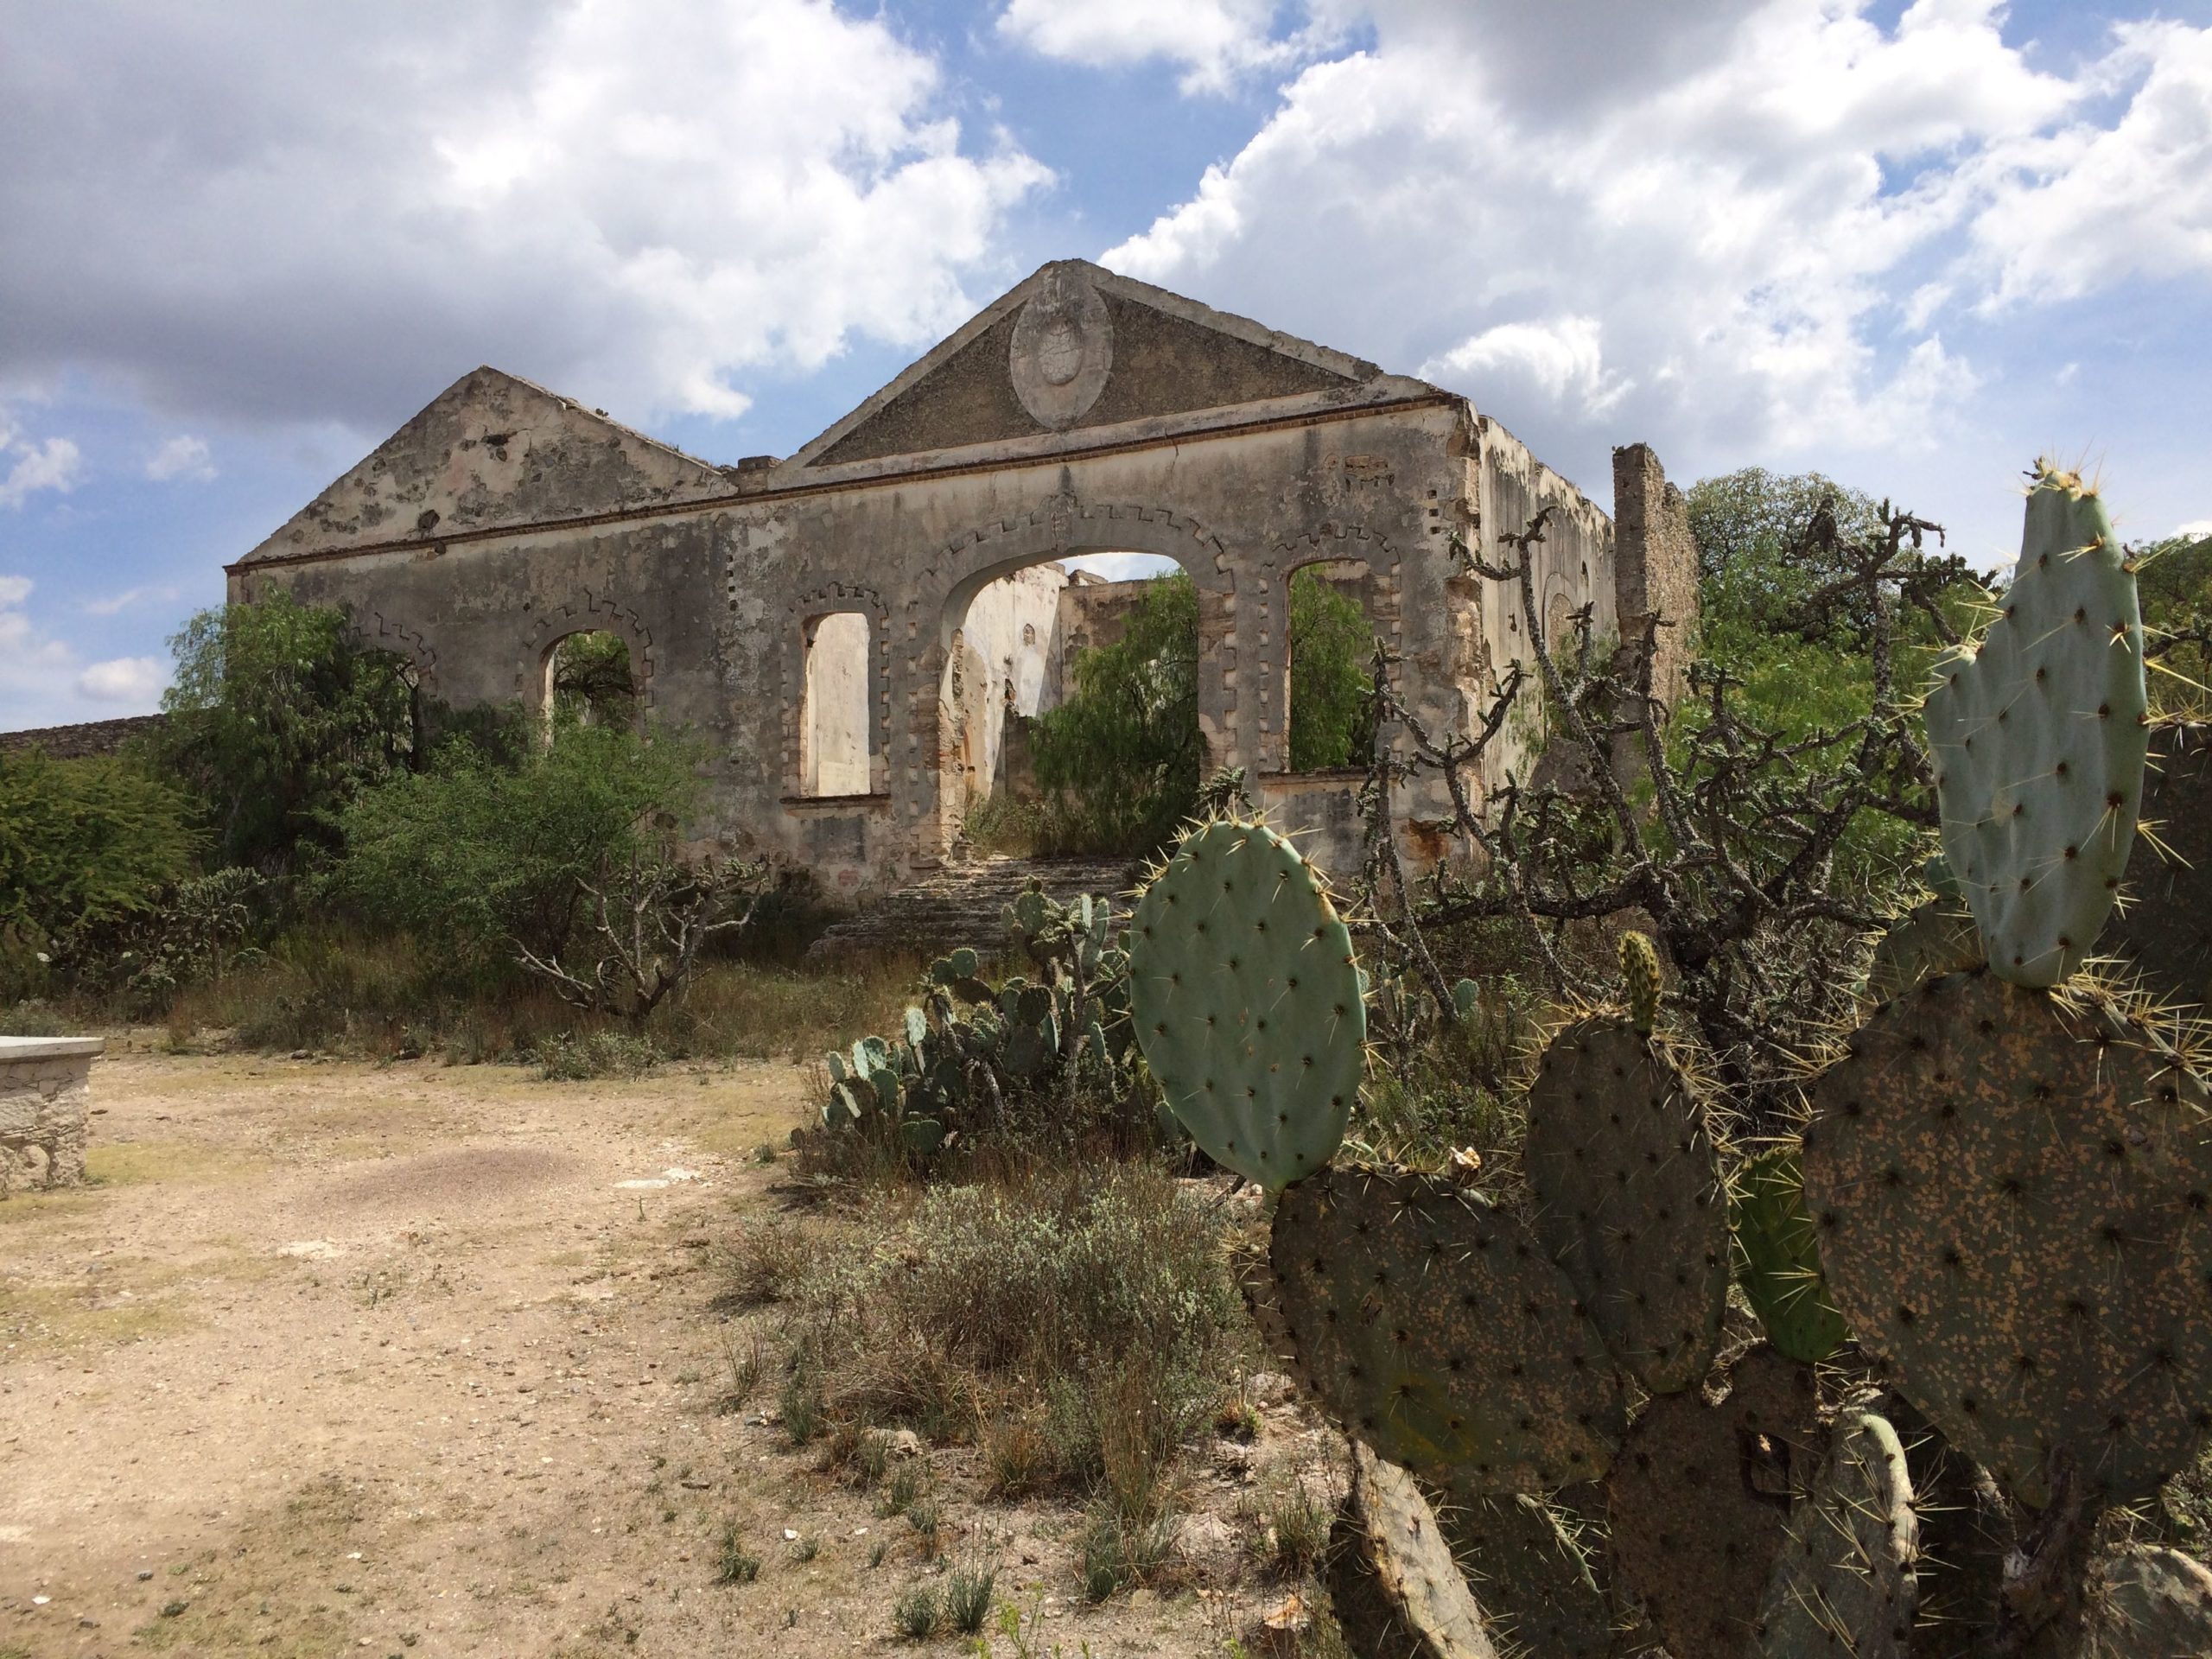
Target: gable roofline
x: 1359, y: 375
x: 599, y: 417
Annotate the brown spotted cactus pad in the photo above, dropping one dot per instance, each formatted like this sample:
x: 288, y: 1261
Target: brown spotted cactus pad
x: 1844, y: 1586
x: 2142, y: 1603
x: 1630, y: 1198
x: 1699, y: 1501
x: 1397, y: 1592
x: 1432, y: 1326
x: 2013, y: 1192
x: 1529, y: 1562
x: 2163, y: 928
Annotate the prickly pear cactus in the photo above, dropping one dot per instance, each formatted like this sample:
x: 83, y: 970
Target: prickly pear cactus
x: 2038, y: 733
x: 1939, y: 937
x: 1699, y: 1501
x: 1640, y: 980
x: 1843, y: 1586
x: 1247, y: 1001
x: 1630, y: 1198
x: 2010, y: 1189
x: 1778, y: 1258
x: 1527, y: 1560
x: 2141, y: 1603
x: 1396, y: 1590
x: 2163, y: 929
x: 1432, y: 1326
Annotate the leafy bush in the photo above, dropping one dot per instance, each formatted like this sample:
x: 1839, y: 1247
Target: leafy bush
x: 471, y: 855
x: 2173, y: 579
x: 592, y: 682
x: 277, y: 722
x: 1119, y: 760
x: 83, y: 843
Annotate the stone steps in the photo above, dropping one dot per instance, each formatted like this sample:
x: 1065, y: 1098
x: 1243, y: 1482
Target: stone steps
x: 963, y: 903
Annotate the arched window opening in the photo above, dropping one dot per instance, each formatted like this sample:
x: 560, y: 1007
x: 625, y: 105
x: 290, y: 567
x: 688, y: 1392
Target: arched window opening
x: 589, y: 681
x: 837, y: 739
x: 1327, y: 683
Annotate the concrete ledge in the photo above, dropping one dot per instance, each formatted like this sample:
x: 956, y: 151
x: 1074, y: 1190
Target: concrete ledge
x: 44, y: 1087
x: 50, y: 1048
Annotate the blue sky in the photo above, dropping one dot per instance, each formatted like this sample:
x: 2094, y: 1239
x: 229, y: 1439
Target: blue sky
x: 1912, y: 246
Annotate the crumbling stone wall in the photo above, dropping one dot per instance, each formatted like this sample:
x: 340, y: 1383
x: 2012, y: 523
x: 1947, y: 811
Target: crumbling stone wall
x: 1654, y: 564
x: 44, y: 1085
x: 1080, y: 413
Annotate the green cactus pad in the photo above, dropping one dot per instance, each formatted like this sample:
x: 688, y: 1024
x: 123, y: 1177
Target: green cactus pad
x: 1397, y: 1592
x: 1630, y: 1198
x: 1247, y: 1001
x: 2142, y: 1603
x: 2010, y: 1189
x: 1939, y: 937
x: 1527, y: 1560
x: 1640, y: 980
x: 1432, y: 1325
x: 2038, y: 735
x: 2163, y: 929
x: 1699, y: 1501
x: 1778, y: 1258
x: 1843, y: 1586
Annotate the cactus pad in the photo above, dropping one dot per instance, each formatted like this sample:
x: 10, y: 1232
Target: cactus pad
x: 1640, y: 980
x: 1936, y: 938
x: 1843, y: 1586
x: 1778, y: 1258
x: 2163, y: 930
x: 2038, y: 733
x: 1397, y: 1591
x: 2142, y: 1603
x: 1699, y: 1501
x: 1434, y: 1326
x: 1630, y: 1198
x: 2010, y: 1190
x: 1248, y: 1002
x: 1527, y: 1560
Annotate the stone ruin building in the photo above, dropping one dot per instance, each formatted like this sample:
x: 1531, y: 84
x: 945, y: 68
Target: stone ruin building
x: 850, y: 628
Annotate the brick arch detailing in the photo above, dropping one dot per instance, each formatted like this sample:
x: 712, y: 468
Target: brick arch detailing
x: 376, y: 632
x: 828, y: 600
x: 592, y: 614
x: 1326, y: 545
x: 1060, y: 526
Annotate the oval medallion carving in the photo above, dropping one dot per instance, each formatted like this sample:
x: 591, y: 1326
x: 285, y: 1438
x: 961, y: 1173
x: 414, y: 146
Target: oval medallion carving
x: 1063, y: 347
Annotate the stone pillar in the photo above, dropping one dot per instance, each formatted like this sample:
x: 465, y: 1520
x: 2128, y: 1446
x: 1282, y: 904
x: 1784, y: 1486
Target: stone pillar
x: 44, y: 1082
x: 1654, y: 564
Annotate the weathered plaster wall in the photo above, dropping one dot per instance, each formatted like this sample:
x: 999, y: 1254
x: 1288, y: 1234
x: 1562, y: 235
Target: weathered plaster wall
x: 44, y: 1085
x: 907, y: 512
x: 999, y: 658
x: 838, y: 728
x: 1657, y: 563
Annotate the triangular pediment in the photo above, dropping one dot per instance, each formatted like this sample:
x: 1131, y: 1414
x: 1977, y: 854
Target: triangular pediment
x: 1076, y: 352
x: 493, y: 452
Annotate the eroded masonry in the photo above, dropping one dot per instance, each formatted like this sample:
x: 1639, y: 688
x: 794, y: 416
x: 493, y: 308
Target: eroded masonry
x: 858, y: 631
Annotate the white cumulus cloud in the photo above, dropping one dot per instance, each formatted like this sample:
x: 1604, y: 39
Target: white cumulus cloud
x: 54, y: 464
x: 182, y: 456
x: 1215, y: 41
x: 135, y: 680
x: 281, y: 214
x: 1735, y: 228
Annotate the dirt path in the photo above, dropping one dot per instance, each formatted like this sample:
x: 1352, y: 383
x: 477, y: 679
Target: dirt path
x: 419, y: 1361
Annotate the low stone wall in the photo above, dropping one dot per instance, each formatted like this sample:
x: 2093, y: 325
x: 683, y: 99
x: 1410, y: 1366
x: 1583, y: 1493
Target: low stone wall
x: 44, y: 1085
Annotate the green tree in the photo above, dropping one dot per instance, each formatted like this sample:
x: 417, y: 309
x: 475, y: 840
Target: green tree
x: 474, y: 855
x: 84, y: 843
x: 592, y: 682
x: 1119, y: 760
x: 1330, y: 645
x: 276, y: 721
